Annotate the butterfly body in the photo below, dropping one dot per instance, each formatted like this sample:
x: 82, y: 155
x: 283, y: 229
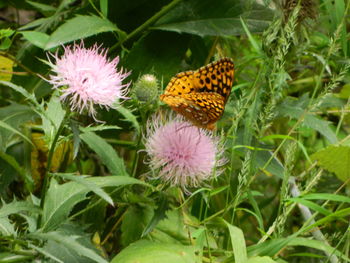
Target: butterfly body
x: 201, y: 95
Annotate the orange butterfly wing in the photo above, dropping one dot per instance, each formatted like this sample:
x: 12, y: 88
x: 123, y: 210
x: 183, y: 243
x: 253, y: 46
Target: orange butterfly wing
x: 200, y: 96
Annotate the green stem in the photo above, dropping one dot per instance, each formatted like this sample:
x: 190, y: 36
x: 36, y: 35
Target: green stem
x: 49, y: 163
x: 148, y: 23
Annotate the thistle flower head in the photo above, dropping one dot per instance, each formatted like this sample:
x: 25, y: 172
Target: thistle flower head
x: 85, y: 77
x: 184, y: 154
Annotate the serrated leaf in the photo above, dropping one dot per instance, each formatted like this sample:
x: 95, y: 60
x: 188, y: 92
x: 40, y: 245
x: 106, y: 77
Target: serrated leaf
x: 129, y: 116
x: 71, y: 243
x: 78, y: 28
x: 6, y: 228
x: 89, y: 185
x: 60, y: 199
x: 21, y: 90
x: 38, y: 39
x: 105, y: 151
x: 335, y: 159
x: 16, y: 207
x: 144, y: 251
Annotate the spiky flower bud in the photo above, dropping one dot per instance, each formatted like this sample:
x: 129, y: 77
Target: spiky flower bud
x: 146, y: 88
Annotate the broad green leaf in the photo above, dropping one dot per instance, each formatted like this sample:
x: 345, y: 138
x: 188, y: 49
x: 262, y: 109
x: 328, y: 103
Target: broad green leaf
x: 6, y: 65
x: 238, y: 243
x: 215, y: 26
x: 88, y: 184
x: 203, y: 19
x: 260, y: 260
x: 159, y: 214
x: 38, y: 39
x: 79, y: 27
x: 134, y: 222
x: 71, y: 243
x: 335, y: 159
x: 171, y: 229
x: 60, y: 199
x: 105, y: 151
x: 160, y: 53
x: 144, y: 251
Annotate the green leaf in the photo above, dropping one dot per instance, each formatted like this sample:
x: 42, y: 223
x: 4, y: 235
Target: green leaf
x: 144, y: 251
x: 71, y: 243
x: 7, y: 257
x: 238, y: 243
x: 215, y: 27
x: 134, y: 222
x: 129, y: 117
x: 316, y: 244
x: 14, y: 115
x: 60, y: 199
x: 260, y: 260
x: 159, y: 53
x: 44, y: 9
x: 326, y: 196
x: 4, y: 125
x: 172, y: 229
x: 203, y: 19
x: 17, y: 207
x: 79, y: 27
x: 311, y: 205
x: 89, y: 185
x: 21, y: 90
x: 104, y: 7
x: 52, y: 118
x: 105, y: 151
x: 6, y: 227
x: 296, y: 109
x: 335, y: 159
x: 38, y: 39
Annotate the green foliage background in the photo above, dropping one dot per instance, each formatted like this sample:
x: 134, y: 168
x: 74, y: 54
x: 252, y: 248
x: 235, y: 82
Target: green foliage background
x: 73, y: 190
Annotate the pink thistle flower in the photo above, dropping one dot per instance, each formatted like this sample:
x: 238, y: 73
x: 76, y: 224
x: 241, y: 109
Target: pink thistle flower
x: 184, y: 154
x: 86, y: 77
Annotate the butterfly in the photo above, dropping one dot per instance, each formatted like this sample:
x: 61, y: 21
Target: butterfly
x: 201, y: 95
